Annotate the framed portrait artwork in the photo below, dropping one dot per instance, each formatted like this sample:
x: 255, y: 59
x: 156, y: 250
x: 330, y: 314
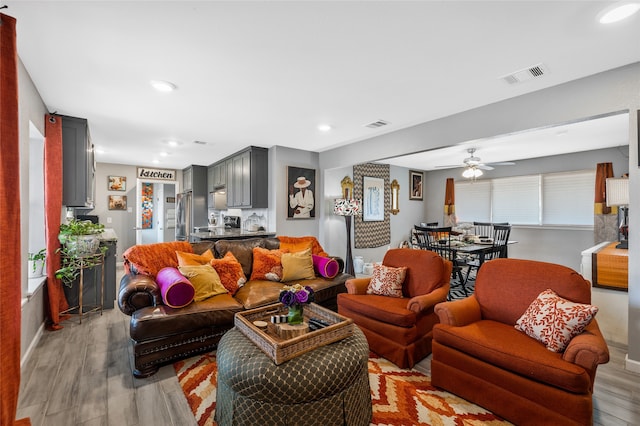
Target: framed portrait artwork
x: 117, y: 183
x: 301, y: 188
x: 415, y: 185
x: 372, y: 199
x: 117, y: 202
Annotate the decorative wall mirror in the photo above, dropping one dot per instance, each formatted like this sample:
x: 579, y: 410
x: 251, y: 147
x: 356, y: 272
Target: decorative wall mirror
x: 347, y: 188
x: 395, y: 197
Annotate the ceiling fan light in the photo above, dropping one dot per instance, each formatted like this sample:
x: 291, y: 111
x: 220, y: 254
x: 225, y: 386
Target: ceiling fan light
x: 477, y: 173
x: 468, y: 173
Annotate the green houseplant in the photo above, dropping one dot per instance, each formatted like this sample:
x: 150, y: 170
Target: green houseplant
x: 80, y: 245
x: 36, y: 263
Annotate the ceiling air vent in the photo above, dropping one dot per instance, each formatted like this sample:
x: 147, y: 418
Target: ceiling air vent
x: 376, y: 124
x: 200, y: 142
x: 526, y: 74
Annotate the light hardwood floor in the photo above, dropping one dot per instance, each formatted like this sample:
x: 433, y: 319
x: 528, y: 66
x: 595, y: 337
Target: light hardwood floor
x: 81, y: 375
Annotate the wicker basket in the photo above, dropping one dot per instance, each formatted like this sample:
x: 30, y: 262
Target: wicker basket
x: 281, y: 350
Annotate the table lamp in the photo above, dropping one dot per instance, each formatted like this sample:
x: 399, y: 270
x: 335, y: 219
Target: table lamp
x: 618, y: 195
x: 347, y: 208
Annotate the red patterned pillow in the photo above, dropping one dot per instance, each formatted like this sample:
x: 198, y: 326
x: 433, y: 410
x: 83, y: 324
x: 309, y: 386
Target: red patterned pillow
x: 230, y: 272
x: 554, y: 321
x: 387, y: 280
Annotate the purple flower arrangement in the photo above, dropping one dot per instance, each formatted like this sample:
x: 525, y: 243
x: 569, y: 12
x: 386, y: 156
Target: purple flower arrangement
x: 296, y: 295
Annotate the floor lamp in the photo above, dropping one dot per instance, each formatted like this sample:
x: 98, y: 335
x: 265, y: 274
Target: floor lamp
x: 347, y: 208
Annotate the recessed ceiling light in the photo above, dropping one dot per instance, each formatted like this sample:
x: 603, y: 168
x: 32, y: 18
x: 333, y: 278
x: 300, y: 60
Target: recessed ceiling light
x: 618, y: 11
x: 163, y: 86
x: 164, y: 154
x: 155, y: 161
x: 99, y: 151
x: 173, y: 143
x: 324, y: 127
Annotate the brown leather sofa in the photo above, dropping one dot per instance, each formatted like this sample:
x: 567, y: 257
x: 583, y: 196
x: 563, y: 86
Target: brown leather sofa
x: 479, y: 355
x: 162, y: 334
x: 400, y: 328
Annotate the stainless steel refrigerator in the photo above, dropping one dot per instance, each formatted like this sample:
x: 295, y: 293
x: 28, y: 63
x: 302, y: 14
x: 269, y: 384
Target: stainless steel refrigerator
x: 191, y: 212
x: 183, y: 216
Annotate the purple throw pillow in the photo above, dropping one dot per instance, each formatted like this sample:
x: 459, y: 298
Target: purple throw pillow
x: 325, y: 266
x: 177, y: 291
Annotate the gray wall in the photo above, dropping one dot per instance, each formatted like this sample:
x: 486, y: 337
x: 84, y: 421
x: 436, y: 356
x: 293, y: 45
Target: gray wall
x: 122, y: 221
x: 31, y: 109
x: 279, y: 159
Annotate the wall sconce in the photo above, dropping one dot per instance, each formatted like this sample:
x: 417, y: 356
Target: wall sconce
x: 395, y: 197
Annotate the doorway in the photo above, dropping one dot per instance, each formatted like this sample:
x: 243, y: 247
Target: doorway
x: 155, y: 211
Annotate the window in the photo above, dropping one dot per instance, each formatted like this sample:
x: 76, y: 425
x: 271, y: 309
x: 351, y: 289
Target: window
x: 473, y: 201
x: 547, y: 199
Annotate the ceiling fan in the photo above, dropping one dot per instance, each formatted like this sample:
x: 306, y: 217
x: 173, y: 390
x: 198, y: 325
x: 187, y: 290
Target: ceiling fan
x: 473, y: 166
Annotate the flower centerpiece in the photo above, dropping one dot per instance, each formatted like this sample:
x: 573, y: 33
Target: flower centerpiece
x: 295, y: 297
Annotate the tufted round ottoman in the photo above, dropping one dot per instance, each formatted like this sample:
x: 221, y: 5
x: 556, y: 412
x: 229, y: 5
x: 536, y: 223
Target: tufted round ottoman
x: 326, y: 386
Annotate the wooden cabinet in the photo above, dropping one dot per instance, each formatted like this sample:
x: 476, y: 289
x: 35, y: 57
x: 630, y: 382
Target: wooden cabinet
x: 78, y: 163
x: 248, y: 179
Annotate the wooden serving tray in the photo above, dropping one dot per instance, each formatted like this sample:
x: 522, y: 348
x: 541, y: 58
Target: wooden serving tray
x: 280, y: 349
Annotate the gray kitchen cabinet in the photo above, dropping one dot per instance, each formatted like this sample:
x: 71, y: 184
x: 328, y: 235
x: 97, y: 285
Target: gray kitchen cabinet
x: 216, y: 176
x: 78, y: 164
x: 248, y: 179
x: 210, y: 184
x: 187, y: 179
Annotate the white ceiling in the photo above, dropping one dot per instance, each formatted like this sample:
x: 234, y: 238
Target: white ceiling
x: 267, y: 73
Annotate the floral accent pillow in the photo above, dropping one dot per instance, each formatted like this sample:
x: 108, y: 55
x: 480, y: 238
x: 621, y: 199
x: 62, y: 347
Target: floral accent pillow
x: 554, y: 321
x: 267, y: 264
x: 387, y: 280
x: 230, y: 272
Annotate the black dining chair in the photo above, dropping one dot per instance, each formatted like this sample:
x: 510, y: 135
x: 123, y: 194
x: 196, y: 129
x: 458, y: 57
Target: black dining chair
x: 498, y: 248
x: 484, y: 229
x: 438, y: 240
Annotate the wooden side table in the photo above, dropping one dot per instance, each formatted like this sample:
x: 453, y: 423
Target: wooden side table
x: 87, y: 262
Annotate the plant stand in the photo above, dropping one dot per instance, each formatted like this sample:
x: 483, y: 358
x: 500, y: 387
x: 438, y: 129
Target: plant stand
x: 86, y: 262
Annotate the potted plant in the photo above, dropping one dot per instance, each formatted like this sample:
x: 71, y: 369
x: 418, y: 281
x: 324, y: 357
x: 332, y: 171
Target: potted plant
x: 36, y: 263
x: 80, y: 237
x: 80, y: 244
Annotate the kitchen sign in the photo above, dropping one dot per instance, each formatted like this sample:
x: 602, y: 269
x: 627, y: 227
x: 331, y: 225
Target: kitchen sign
x: 160, y: 174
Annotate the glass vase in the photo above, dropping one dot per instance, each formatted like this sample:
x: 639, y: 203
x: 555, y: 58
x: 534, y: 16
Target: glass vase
x: 296, y: 314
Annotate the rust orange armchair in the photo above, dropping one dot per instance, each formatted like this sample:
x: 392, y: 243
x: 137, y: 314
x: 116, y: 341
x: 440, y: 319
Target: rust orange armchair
x: 479, y: 355
x: 400, y: 328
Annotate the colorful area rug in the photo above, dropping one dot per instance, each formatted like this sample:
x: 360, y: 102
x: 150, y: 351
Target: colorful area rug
x: 399, y: 396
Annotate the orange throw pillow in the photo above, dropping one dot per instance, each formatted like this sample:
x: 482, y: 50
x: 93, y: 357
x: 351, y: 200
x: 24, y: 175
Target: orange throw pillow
x: 192, y: 259
x: 267, y: 264
x: 230, y: 272
x: 294, y: 244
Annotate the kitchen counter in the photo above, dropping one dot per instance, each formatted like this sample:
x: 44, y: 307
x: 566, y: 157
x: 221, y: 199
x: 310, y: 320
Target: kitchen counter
x: 229, y: 234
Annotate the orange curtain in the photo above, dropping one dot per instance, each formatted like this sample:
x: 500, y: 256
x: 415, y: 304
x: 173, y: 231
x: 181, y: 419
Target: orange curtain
x: 57, y: 301
x: 449, y: 203
x: 10, y: 267
x: 603, y: 171
x: 449, y: 197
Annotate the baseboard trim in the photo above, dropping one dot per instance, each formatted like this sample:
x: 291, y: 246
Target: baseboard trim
x: 34, y: 343
x: 631, y: 365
